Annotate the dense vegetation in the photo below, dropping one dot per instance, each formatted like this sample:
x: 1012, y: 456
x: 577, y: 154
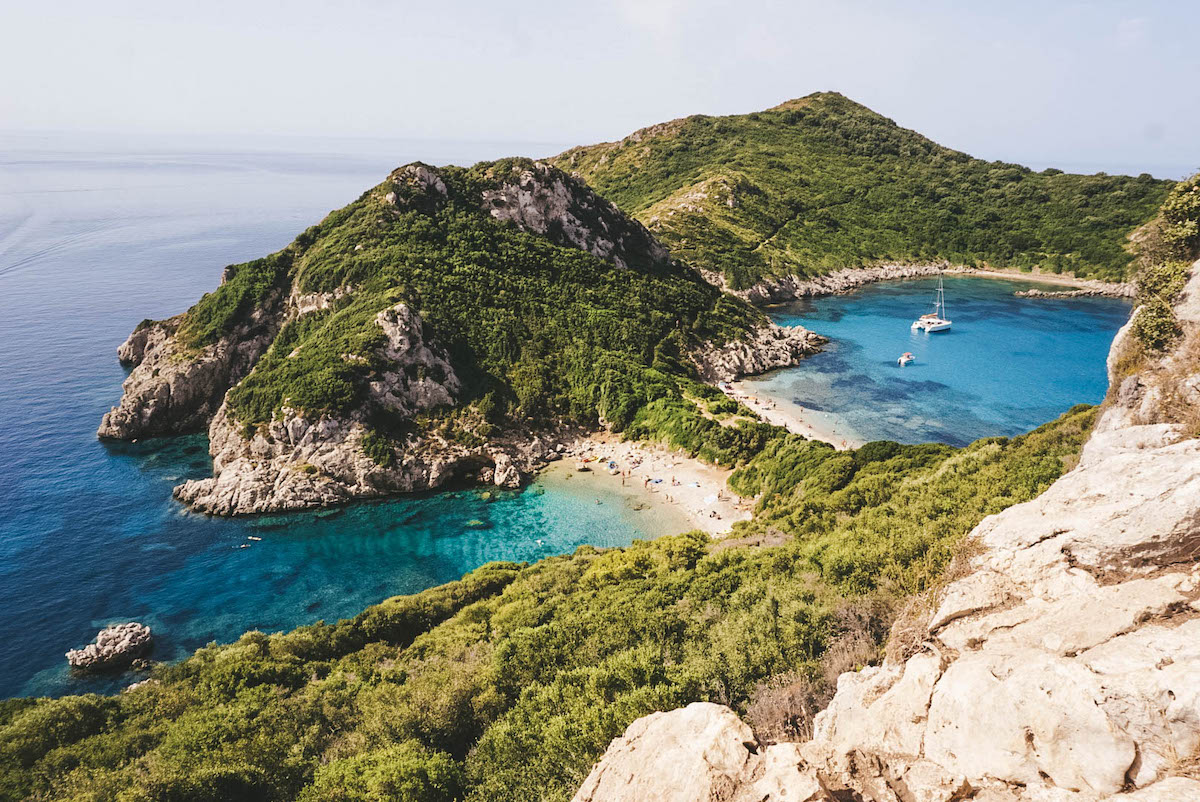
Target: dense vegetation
x: 821, y: 183
x: 507, y: 684
x: 1166, y: 250
x: 536, y: 331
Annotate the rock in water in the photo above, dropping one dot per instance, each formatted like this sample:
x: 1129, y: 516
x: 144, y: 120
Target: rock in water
x: 116, y: 647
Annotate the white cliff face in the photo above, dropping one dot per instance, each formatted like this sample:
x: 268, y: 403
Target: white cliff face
x: 1065, y: 667
x: 299, y: 461
x: 171, y: 392
x: 542, y: 201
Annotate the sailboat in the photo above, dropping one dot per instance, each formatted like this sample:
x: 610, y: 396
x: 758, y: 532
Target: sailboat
x: 935, y: 320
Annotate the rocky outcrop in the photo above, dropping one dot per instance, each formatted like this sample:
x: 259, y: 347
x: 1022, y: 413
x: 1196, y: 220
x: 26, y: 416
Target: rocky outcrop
x: 698, y: 753
x: 1063, y: 666
x: 791, y: 288
x: 546, y: 201
x: 173, y: 389
x: 115, y: 647
x: 298, y: 462
x: 768, y: 347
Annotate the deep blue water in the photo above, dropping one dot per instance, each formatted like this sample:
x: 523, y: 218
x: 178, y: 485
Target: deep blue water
x: 90, y: 244
x: 1006, y: 366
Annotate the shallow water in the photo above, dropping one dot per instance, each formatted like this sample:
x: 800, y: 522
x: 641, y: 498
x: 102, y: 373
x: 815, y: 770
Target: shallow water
x: 1007, y: 365
x: 91, y: 243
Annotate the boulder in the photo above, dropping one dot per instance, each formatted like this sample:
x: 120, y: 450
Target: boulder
x: 116, y: 646
x: 698, y: 753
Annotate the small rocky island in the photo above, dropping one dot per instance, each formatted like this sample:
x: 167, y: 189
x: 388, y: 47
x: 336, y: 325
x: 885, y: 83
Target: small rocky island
x: 116, y: 647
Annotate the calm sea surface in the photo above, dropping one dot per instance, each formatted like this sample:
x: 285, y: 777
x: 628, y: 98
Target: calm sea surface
x: 90, y: 244
x: 1007, y: 365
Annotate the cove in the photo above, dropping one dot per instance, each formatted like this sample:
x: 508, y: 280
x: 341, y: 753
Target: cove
x: 91, y: 243
x: 1007, y: 366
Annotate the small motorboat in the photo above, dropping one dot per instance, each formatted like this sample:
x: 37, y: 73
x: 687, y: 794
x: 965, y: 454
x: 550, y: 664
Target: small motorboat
x: 905, y: 358
x: 935, y: 320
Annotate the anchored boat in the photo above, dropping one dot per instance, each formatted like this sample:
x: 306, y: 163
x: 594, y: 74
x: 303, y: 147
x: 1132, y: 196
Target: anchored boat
x: 935, y: 320
x: 905, y: 358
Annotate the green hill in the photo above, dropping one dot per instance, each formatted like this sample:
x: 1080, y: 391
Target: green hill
x: 821, y: 183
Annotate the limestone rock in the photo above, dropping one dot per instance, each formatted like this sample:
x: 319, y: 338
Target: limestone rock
x: 547, y: 201
x: 116, y: 646
x: 768, y: 347
x: 173, y: 391
x: 700, y: 752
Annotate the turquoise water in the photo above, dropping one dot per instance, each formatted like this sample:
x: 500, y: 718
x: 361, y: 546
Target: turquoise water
x: 1007, y: 366
x: 91, y: 243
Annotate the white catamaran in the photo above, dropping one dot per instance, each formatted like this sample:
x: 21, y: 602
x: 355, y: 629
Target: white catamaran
x: 935, y: 320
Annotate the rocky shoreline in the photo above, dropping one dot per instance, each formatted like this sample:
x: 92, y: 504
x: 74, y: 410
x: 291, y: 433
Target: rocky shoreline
x: 769, y: 347
x: 1115, y: 291
x: 791, y: 288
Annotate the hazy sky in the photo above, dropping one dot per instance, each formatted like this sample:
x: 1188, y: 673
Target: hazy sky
x: 1112, y: 85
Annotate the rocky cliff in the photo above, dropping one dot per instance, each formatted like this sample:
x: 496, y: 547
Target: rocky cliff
x: 174, y: 389
x: 765, y: 348
x: 369, y: 357
x: 1062, y: 666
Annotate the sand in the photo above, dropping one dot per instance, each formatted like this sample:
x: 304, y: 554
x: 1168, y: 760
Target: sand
x: 1039, y: 278
x: 698, y: 491
x: 814, y: 425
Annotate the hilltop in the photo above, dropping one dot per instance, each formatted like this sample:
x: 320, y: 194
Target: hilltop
x: 449, y: 325
x: 822, y: 183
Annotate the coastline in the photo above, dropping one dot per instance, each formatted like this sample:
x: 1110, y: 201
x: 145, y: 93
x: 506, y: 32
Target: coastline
x: 660, y: 477
x: 785, y: 289
x: 809, y: 423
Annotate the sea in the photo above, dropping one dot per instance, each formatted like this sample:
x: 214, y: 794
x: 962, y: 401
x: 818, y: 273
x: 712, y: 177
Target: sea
x: 93, y: 241
x: 100, y: 232
x: 1006, y: 365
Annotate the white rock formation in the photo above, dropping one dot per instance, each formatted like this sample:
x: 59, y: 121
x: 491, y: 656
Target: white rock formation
x: 1064, y: 667
x: 169, y: 392
x: 546, y: 201
x: 767, y: 348
x: 297, y: 462
x: 698, y: 753
x: 116, y: 646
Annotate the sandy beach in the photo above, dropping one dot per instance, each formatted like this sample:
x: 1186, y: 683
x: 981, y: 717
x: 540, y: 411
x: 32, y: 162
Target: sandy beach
x: 664, y: 478
x: 812, y: 424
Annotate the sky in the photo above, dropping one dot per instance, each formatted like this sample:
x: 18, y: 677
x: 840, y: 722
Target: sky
x: 1078, y: 85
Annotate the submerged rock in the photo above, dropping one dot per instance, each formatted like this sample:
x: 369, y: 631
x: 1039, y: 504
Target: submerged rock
x: 117, y: 646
